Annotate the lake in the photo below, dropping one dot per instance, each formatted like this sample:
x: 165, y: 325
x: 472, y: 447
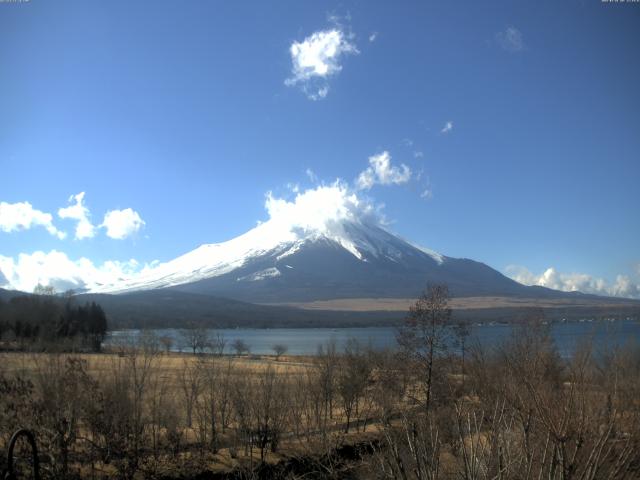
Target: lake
x: 305, y: 341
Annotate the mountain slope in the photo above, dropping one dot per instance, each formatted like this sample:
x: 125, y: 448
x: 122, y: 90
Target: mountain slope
x: 173, y: 309
x: 344, y: 259
x: 168, y: 308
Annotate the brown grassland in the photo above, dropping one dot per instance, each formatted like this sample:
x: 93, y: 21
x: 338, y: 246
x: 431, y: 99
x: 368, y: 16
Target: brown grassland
x: 423, y: 411
x: 458, y: 303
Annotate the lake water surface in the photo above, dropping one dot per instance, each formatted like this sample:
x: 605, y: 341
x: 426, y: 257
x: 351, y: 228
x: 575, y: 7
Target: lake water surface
x: 305, y: 341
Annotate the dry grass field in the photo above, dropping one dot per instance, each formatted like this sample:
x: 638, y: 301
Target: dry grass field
x: 140, y: 413
x: 460, y: 303
x: 180, y: 397
x: 170, y: 364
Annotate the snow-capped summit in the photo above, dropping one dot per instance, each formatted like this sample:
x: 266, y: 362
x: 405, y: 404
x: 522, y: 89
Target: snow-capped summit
x: 271, y: 240
x: 327, y: 243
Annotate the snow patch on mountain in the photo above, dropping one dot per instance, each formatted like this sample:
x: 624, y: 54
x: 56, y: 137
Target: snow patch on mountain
x: 433, y: 254
x: 260, y: 275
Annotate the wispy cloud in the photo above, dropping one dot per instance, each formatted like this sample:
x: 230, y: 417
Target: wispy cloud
x: 80, y: 213
x: 510, y: 40
x: 317, y: 58
x: 373, y: 36
x: 448, y: 127
x: 22, y: 216
x: 121, y: 224
x: 311, y: 175
x: 427, y: 193
x: 381, y: 172
x: 623, y: 286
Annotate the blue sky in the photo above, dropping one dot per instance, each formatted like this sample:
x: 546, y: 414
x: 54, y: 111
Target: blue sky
x: 179, y: 117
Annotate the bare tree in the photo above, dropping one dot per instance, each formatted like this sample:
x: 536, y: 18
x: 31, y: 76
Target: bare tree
x: 352, y: 379
x: 189, y: 380
x: 210, y: 401
x: 159, y: 412
x: 141, y: 367
x: 218, y: 344
x: 240, y: 400
x: 392, y: 377
x: 240, y: 346
x: 196, y: 338
x: 148, y: 342
x: 167, y: 342
x: 58, y: 408
x: 327, y: 361
x: 410, y: 450
x: 224, y: 395
x: 116, y: 416
x: 279, y: 349
x: 269, y: 409
x: 462, y: 330
x: 424, y: 334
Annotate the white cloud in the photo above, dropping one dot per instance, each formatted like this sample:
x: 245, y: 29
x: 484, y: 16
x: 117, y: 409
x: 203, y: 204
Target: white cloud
x: 322, y: 92
x: 319, y: 208
x: 510, y: 40
x: 22, y: 216
x: 80, y: 213
x: 575, y: 282
x: 406, y: 142
x: 57, y: 270
x: 380, y: 171
x: 373, y: 36
x: 312, y: 175
x: 427, y: 194
x: 625, y: 287
x: 121, y: 224
x: 427, y: 190
x: 447, y: 127
x: 316, y: 59
x: 418, y: 154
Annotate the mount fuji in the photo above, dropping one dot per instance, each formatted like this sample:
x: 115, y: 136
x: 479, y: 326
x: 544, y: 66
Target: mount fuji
x: 343, y: 258
x: 325, y: 258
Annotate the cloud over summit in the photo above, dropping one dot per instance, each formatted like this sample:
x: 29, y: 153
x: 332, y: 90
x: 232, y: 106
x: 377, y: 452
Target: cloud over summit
x: 321, y: 209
